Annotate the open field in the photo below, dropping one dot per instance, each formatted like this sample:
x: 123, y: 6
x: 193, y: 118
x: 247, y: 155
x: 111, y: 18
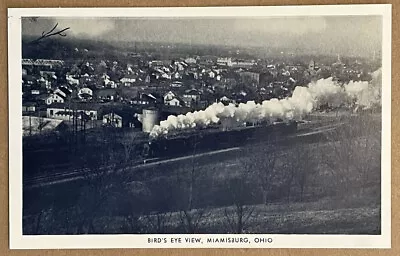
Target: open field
x: 328, y: 185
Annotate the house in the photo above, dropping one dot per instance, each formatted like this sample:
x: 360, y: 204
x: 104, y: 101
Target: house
x: 28, y: 106
x: 29, y: 80
x: 224, y: 62
x: 143, y: 99
x: 177, y: 75
x: 112, y: 119
x: 76, y: 109
x: 64, y: 91
x: 171, y: 99
x: 106, y: 95
x: 110, y: 84
x: 190, y: 60
x: 107, y: 82
x: 211, y: 74
x: 169, y: 96
x: 175, y: 102
x: 191, y: 97
x: 57, y: 97
x: 35, y: 92
x: 85, y: 93
x: 120, y: 119
x: 46, y: 99
x: 128, y: 80
x: 44, y: 82
x: 176, y: 84
x: 181, y: 66
x: 225, y: 100
x: 47, y: 73
x: 243, y: 63
x: 32, y: 125
x: 71, y: 80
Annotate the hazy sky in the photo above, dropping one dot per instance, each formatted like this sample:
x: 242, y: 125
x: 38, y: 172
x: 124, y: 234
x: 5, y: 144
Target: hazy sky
x: 354, y: 35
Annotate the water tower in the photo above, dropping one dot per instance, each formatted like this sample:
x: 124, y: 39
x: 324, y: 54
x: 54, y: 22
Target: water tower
x: 150, y: 118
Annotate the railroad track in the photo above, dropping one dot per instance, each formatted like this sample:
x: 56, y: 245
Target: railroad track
x: 82, y: 173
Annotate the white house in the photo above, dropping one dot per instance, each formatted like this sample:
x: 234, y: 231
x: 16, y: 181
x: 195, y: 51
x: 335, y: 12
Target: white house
x: 128, y: 80
x: 63, y: 91
x: 177, y: 75
x: 71, y: 80
x: 63, y: 112
x: 56, y: 97
x: 35, y: 92
x: 175, y: 102
x: 224, y: 61
x: 112, y: 119
x: 190, y: 60
x: 85, y: 93
x: 169, y: 96
x: 176, y: 84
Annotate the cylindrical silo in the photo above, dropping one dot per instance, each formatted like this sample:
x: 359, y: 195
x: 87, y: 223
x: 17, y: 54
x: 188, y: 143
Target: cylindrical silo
x: 150, y: 118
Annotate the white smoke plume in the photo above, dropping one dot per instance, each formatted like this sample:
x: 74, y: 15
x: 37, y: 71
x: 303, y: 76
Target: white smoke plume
x: 304, y: 100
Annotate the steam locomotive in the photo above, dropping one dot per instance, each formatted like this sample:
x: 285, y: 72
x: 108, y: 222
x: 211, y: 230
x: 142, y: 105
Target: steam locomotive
x: 198, y: 140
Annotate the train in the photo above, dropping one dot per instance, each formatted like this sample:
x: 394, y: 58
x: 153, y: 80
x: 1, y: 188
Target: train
x: 61, y: 152
x: 197, y: 140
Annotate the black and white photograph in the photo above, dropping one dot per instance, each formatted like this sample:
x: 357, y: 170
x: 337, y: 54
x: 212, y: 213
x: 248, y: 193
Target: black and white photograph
x: 231, y: 127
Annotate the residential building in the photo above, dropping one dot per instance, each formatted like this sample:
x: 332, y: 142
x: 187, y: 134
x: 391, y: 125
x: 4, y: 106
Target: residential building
x: 106, y: 95
x: 57, y: 97
x: 113, y: 119
x: 224, y: 62
x: 46, y: 99
x: 128, y: 80
x: 251, y: 77
x: 32, y: 125
x: 29, y: 107
x: 68, y: 111
x: 85, y: 93
x: 191, y: 97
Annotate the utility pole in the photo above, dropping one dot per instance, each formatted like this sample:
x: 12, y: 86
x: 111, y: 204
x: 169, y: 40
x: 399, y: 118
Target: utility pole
x: 30, y: 123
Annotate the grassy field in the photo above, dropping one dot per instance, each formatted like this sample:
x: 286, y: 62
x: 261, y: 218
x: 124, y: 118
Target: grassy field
x: 332, y: 186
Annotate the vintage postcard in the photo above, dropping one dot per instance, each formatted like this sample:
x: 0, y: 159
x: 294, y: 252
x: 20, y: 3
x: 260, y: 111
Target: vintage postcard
x: 211, y: 127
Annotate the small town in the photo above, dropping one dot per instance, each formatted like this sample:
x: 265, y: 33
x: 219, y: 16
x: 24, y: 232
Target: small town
x: 201, y: 126
x: 77, y: 94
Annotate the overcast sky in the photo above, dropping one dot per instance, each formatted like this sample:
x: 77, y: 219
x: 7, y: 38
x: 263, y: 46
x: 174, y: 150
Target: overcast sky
x: 350, y: 35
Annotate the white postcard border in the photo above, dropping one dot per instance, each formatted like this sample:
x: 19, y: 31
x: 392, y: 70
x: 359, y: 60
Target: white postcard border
x: 20, y: 241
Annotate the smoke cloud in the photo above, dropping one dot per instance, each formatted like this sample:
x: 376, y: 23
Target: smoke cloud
x: 304, y: 100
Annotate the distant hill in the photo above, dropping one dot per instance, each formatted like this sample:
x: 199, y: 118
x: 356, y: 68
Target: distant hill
x: 64, y: 48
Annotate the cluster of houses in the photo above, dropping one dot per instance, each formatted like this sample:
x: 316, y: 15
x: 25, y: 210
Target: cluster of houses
x: 113, y: 93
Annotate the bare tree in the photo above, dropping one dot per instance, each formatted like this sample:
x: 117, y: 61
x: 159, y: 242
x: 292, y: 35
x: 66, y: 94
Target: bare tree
x: 190, y: 217
x: 193, y: 175
x: 238, y: 216
x: 263, y: 163
x: 303, y: 165
x: 129, y: 144
x: 102, y: 180
x: 132, y: 205
x: 50, y: 33
x: 190, y: 220
x: 158, y: 222
x: 354, y: 161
